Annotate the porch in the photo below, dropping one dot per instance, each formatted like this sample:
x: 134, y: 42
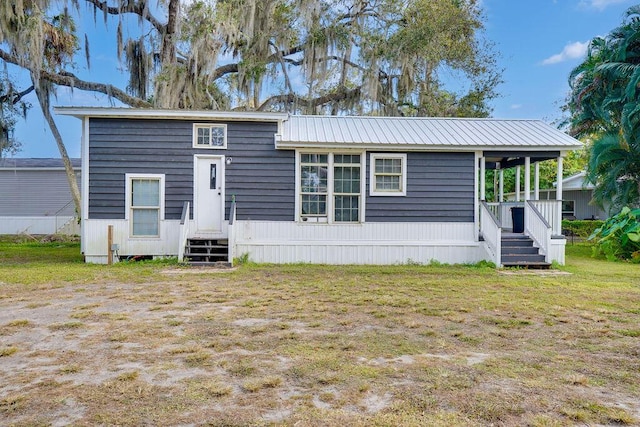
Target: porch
x: 527, y: 219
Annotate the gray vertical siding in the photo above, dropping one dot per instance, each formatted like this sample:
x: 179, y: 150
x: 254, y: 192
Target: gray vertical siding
x: 440, y: 187
x: 582, y: 206
x: 28, y: 192
x: 261, y: 178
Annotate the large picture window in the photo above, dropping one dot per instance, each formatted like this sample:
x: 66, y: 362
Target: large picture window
x: 330, y: 187
x: 209, y: 136
x: 145, y: 200
x: 388, y: 175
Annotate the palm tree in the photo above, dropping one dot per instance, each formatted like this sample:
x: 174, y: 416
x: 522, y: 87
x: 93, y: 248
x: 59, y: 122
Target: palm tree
x: 605, y: 107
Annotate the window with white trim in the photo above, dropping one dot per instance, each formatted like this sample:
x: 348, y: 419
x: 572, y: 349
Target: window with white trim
x: 145, y: 204
x: 388, y: 174
x: 330, y: 187
x: 210, y: 136
x: 568, y: 208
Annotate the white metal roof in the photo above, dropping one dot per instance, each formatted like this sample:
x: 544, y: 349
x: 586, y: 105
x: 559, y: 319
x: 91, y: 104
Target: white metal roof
x: 417, y: 133
x: 578, y: 181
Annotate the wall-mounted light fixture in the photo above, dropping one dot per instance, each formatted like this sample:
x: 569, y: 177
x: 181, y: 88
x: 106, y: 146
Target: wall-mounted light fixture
x: 229, y: 160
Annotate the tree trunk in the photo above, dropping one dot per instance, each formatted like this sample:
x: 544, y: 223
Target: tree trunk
x: 164, y: 97
x: 43, y: 100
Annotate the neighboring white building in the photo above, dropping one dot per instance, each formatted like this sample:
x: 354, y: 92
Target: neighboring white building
x: 577, y: 195
x: 36, y: 198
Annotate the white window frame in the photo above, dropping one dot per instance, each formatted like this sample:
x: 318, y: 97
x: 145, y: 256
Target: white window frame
x: 128, y: 216
x: 372, y: 174
x: 330, y: 218
x: 209, y: 126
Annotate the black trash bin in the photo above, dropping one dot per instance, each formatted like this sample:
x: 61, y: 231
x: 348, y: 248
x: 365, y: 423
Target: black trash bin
x: 517, y: 218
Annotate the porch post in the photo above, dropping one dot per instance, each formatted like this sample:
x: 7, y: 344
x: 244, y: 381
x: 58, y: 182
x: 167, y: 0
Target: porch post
x: 501, y: 185
x: 483, y: 178
x: 536, y: 181
x: 559, y: 180
x: 527, y: 178
x: 517, y: 183
x: 558, y: 225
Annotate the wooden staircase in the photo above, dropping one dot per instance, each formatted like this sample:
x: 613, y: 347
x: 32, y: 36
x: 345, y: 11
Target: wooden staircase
x: 518, y: 251
x: 207, y: 252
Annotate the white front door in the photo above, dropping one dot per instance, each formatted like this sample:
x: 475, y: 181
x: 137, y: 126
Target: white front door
x: 208, y: 209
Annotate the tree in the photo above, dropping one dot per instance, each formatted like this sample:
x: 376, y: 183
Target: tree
x: 391, y: 57
x: 605, y: 109
x: 12, y: 108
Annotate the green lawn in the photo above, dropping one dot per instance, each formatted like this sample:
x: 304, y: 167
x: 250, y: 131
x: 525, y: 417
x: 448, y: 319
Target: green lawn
x: 156, y: 343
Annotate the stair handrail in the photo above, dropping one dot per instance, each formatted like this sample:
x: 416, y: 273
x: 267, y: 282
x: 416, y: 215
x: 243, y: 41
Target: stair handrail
x: 491, y: 231
x: 538, y: 228
x: 230, y: 238
x: 184, y: 230
x: 57, y: 216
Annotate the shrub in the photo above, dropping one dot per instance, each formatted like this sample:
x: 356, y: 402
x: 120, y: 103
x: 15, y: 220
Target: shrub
x: 619, y: 236
x: 580, y: 228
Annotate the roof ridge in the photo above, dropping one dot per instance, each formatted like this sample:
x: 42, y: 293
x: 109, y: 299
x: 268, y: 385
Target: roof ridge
x: 413, y: 118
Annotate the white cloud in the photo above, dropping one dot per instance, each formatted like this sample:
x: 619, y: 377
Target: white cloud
x: 516, y: 106
x: 570, y: 51
x: 600, y: 4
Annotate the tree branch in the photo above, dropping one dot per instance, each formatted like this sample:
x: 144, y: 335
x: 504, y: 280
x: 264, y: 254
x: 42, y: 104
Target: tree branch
x: 291, y: 98
x: 16, y: 97
x: 72, y: 81
x: 223, y: 70
x: 136, y: 8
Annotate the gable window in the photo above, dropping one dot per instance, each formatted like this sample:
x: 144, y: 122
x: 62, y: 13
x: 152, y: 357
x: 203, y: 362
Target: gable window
x: 145, y: 204
x: 330, y: 187
x: 388, y: 175
x: 210, y: 136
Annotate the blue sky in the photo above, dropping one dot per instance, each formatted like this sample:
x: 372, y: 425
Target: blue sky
x: 539, y: 42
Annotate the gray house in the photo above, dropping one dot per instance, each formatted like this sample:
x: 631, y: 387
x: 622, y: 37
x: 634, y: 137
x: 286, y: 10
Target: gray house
x: 577, y: 197
x: 36, y: 198
x: 207, y: 186
x: 577, y: 194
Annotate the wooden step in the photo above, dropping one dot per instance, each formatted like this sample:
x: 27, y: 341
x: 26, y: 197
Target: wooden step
x: 507, y: 250
x: 518, y: 250
x: 200, y: 251
x: 532, y: 265
x: 216, y: 264
x: 522, y: 258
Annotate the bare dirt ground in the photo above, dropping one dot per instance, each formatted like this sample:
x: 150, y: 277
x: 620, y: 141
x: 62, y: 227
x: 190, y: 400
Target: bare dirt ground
x: 319, y: 346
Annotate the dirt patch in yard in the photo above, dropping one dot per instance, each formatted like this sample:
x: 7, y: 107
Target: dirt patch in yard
x: 321, y: 346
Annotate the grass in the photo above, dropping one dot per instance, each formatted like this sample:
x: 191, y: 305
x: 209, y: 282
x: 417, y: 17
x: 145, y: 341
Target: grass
x: 154, y: 343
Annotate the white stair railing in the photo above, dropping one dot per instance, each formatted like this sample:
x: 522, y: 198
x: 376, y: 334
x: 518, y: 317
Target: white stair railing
x: 551, y: 211
x: 491, y: 231
x: 232, y: 220
x: 537, y: 227
x: 184, y: 230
